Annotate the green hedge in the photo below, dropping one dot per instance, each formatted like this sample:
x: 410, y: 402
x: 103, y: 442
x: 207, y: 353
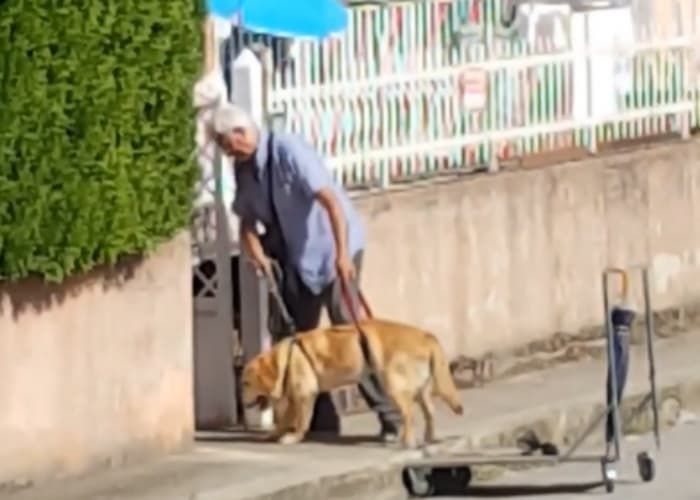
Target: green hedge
x: 96, y: 130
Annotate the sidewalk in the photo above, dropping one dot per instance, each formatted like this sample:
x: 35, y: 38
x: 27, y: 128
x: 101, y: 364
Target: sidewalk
x: 228, y: 466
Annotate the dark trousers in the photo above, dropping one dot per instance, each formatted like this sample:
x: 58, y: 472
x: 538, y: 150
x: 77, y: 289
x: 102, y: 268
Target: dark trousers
x: 305, y: 307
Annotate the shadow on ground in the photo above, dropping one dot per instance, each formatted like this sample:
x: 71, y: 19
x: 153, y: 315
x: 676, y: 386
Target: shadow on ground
x: 257, y: 437
x: 531, y: 490
x: 520, y: 490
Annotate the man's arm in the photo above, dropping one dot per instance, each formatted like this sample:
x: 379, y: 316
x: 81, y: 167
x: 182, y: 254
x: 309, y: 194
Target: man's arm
x: 326, y: 196
x: 252, y: 245
x: 249, y: 238
x: 316, y: 181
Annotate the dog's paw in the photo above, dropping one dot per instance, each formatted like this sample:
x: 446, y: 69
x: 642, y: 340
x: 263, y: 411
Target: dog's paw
x: 290, y: 438
x: 273, y: 436
x: 409, y: 444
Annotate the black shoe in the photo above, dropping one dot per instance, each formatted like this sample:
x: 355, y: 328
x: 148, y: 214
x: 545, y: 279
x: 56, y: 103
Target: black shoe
x: 389, y: 432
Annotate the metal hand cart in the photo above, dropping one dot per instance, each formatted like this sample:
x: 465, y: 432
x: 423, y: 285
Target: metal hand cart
x: 434, y: 475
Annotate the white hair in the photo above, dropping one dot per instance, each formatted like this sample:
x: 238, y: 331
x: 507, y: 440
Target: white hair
x: 228, y: 117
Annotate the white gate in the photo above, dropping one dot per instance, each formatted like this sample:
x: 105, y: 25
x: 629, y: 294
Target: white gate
x: 214, y: 254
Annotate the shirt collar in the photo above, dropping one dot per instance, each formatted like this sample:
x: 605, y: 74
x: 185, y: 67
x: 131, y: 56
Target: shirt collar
x: 261, y: 154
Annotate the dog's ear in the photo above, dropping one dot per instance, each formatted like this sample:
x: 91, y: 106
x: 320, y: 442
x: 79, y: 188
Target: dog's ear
x: 282, y: 356
x: 266, y: 373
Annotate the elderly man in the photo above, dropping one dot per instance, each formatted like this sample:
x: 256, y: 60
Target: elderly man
x: 311, y: 229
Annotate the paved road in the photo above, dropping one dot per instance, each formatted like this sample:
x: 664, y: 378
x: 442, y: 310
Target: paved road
x: 677, y: 475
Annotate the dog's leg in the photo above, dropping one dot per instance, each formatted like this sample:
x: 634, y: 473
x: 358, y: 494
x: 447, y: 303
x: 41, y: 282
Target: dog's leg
x: 426, y: 405
x: 303, y: 411
x: 283, y: 415
x: 404, y: 403
x: 408, y: 434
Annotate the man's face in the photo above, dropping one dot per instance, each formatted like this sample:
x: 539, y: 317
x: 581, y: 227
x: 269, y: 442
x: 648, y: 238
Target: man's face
x: 239, y: 143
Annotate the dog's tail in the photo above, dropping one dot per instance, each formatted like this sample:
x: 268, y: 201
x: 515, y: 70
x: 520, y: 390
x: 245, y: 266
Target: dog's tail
x: 443, y: 383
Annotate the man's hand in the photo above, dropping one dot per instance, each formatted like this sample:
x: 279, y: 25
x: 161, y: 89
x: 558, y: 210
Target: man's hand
x: 345, y: 269
x: 254, y: 249
x: 263, y: 265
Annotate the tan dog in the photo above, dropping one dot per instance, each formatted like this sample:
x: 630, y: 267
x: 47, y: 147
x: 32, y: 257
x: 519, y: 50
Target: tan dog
x: 409, y: 362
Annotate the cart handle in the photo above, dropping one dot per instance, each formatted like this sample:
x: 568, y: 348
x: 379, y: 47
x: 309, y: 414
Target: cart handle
x: 624, y: 277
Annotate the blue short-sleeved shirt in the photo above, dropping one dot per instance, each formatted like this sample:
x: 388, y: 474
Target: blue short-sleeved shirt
x: 298, y: 173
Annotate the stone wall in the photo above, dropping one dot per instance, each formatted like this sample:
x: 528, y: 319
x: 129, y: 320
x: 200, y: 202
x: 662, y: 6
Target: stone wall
x: 493, y: 262
x: 98, y: 370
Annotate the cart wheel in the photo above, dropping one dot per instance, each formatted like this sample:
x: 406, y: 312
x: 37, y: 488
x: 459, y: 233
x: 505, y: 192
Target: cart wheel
x: 418, y: 481
x: 647, y: 468
x: 609, y: 476
x: 450, y: 480
x: 609, y: 486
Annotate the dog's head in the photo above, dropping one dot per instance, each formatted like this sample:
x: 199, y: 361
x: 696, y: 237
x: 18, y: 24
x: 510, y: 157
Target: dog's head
x: 258, y: 381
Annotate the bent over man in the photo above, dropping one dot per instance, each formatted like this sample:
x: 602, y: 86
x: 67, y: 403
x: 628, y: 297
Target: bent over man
x: 311, y: 230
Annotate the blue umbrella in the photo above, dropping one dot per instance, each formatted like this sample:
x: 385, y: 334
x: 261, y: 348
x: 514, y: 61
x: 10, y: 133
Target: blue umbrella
x: 293, y: 18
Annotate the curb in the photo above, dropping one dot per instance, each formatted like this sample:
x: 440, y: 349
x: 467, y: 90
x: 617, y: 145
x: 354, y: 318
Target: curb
x: 378, y: 483
x: 559, y: 425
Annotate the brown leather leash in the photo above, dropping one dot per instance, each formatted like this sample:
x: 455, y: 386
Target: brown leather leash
x: 364, y: 342
x: 348, y: 303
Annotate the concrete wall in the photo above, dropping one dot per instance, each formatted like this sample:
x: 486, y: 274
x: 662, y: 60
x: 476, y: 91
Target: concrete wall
x: 96, y: 371
x: 497, y: 261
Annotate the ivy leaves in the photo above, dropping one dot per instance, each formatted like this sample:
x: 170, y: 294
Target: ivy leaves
x: 96, y: 130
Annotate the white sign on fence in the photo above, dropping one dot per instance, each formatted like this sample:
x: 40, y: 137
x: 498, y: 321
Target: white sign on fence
x: 473, y: 86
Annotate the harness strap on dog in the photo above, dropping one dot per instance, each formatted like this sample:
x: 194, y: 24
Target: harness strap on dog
x: 295, y: 342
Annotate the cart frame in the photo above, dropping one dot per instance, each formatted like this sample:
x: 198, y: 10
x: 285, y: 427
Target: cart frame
x: 426, y: 476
